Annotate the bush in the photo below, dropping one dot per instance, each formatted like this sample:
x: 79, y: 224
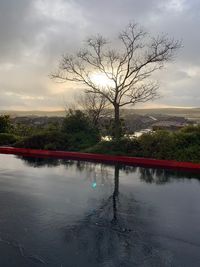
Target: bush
x: 52, y: 140
x: 159, y: 144
x: 124, y: 146
x: 81, y: 140
x: 76, y: 122
x: 5, y: 124
x: 181, y: 146
x: 8, y: 139
x: 184, y: 140
x: 23, y: 130
x: 78, y: 134
x: 191, y: 153
x: 191, y: 129
x: 80, y: 130
x: 45, y: 140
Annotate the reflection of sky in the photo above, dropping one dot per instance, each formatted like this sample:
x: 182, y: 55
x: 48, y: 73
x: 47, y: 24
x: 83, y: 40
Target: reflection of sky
x: 59, y: 185
x: 172, y: 211
x: 175, y: 203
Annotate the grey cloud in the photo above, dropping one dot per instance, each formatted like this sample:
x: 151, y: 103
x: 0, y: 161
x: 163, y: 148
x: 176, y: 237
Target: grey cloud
x: 34, y: 33
x: 13, y: 30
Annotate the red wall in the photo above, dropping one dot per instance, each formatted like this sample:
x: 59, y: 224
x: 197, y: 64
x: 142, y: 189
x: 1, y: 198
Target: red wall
x: 102, y: 158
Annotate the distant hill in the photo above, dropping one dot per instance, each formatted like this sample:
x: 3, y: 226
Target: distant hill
x: 16, y: 113
x: 190, y: 113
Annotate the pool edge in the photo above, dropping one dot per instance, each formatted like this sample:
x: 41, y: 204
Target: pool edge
x: 146, y: 162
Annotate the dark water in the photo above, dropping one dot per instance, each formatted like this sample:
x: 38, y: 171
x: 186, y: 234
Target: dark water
x: 71, y: 214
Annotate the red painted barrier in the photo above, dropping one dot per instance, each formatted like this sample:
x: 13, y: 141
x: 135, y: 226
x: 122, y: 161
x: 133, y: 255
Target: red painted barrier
x: 146, y: 162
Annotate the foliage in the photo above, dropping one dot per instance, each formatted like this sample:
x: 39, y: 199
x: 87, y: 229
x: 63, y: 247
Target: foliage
x: 191, y: 129
x: 8, y: 139
x: 121, y: 126
x: 80, y: 129
x: 183, y: 145
x: 123, y: 146
x: 78, y: 133
x: 5, y: 124
x: 44, y: 140
x: 94, y: 106
x: 23, y: 130
x: 76, y: 121
x: 75, y: 134
x: 156, y: 145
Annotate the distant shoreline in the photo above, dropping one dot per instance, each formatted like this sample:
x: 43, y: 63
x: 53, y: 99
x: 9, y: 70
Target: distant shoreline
x: 61, y: 113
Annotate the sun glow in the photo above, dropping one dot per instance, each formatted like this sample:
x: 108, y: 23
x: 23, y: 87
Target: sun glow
x: 100, y: 79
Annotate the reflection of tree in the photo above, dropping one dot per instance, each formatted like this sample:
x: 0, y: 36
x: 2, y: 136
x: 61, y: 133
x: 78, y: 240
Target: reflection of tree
x: 115, y: 194
x: 147, y: 175
x: 112, y: 236
x: 92, y: 171
x: 40, y: 161
x: 159, y: 175
x: 162, y: 176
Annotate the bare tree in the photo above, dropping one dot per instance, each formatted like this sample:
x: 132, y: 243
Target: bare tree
x: 94, y: 105
x: 127, y: 68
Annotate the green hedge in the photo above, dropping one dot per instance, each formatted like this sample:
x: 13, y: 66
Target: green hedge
x: 44, y: 140
x: 121, y: 147
x: 8, y: 139
x: 58, y: 141
x: 183, y: 145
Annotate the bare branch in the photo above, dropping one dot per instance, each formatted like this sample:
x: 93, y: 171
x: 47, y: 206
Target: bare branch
x: 93, y: 104
x: 143, y: 93
x: 129, y: 66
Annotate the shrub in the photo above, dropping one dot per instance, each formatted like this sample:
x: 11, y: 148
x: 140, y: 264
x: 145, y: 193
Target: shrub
x: 159, y: 144
x: 80, y: 130
x: 123, y: 146
x: 52, y: 140
x: 184, y: 140
x: 45, y: 140
x: 8, y: 139
x: 23, y: 130
x: 181, y: 146
x: 191, y: 129
x: 191, y: 153
x: 81, y: 140
x: 76, y: 121
x: 5, y: 124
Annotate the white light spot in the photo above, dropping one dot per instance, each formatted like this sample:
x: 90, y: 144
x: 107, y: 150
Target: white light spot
x: 102, y: 80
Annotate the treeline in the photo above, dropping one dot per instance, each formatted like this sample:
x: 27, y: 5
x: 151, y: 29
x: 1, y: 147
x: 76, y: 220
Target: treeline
x: 75, y: 133
x: 78, y: 133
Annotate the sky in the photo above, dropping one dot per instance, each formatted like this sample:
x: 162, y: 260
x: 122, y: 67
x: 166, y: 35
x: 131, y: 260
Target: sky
x: 35, y: 33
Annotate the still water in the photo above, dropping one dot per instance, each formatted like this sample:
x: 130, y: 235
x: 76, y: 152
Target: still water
x: 65, y: 213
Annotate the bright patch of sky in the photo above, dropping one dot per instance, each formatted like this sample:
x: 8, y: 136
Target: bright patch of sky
x: 35, y: 33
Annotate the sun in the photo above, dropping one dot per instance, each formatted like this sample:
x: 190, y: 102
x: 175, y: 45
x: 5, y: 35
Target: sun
x: 100, y: 79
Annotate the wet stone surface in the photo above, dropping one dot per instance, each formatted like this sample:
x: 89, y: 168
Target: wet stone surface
x: 70, y: 214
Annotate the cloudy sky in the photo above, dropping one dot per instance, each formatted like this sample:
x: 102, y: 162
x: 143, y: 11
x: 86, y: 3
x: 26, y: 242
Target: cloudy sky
x: 35, y: 33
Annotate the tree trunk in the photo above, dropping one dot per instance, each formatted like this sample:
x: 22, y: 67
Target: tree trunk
x: 117, y: 128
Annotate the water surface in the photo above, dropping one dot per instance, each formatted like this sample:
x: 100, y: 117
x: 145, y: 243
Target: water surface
x: 70, y: 213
